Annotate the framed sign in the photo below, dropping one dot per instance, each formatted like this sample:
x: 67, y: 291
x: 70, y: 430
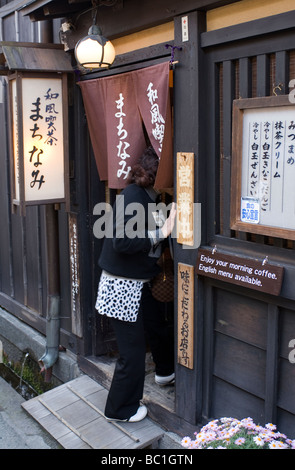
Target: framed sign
x: 38, y: 110
x: 263, y: 166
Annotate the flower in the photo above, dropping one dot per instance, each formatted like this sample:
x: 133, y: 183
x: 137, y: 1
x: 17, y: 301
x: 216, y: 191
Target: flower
x: 265, y: 436
x: 193, y: 445
x: 277, y: 445
x: 239, y: 441
x: 232, y: 433
x: 186, y: 441
x: 249, y: 425
x: 258, y: 441
x: 271, y: 426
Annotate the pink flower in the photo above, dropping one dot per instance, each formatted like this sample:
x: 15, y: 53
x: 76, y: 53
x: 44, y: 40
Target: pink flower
x: 239, y: 441
x: 265, y: 436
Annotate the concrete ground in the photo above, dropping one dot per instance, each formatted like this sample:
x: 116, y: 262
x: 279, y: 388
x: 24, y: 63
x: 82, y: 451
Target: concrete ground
x: 17, y: 429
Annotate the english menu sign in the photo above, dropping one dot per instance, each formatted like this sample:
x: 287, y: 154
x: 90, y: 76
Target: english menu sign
x: 244, y: 272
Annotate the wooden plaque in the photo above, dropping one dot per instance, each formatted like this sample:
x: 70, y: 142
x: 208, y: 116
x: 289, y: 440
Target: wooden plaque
x: 185, y: 336
x: 185, y: 198
x: 75, y: 276
x: 244, y: 272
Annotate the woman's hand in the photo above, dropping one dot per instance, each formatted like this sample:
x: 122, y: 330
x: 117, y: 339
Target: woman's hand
x: 169, y: 222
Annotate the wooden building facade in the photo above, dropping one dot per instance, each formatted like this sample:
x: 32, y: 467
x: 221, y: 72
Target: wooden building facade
x: 232, y: 53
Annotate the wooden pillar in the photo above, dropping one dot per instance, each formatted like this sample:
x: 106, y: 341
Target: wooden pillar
x: 189, y: 104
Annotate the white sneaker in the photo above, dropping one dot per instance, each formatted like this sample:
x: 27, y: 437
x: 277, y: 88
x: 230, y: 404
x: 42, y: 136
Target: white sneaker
x: 165, y: 380
x: 139, y: 415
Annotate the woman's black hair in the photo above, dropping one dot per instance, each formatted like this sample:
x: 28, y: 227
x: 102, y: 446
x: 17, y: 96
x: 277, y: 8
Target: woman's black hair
x: 143, y: 173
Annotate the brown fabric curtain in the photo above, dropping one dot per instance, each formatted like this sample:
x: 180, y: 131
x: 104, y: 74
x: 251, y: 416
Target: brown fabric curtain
x: 116, y: 108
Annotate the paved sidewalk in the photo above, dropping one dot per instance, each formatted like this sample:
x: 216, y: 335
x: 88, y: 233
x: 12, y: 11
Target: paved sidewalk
x: 18, y: 430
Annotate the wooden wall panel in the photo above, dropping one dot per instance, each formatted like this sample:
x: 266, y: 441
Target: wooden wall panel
x: 285, y: 420
x: 5, y: 254
x: 240, y: 364
x: 286, y: 388
x: 241, y: 317
x: 228, y: 400
x: 287, y: 332
x: 18, y: 259
x: 33, y: 259
x: 8, y: 28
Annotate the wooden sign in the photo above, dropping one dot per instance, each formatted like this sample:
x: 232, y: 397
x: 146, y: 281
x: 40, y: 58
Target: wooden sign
x: 185, y: 335
x: 185, y: 198
x: 241, y: 271
x: 75, y: 276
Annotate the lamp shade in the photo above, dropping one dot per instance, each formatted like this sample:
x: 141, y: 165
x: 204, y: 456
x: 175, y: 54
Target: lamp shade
x: 94, y: 51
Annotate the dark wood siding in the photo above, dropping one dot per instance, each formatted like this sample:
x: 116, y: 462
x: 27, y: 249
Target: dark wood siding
x: 23, y: 240
x: 247, y: 371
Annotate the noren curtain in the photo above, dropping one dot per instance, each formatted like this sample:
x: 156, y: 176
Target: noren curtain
x: 116, y: 108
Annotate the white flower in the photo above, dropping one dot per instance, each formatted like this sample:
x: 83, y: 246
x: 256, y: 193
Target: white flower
x: 186, y: 441
x: 277, y: 445
x: 258, y: 441
x: 271, y: 426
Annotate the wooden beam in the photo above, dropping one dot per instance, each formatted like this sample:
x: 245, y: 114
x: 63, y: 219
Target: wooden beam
x: 132, y: 17
x: 61, y: 8
x: 250, y: 29
x: 189, y: 133
x: 20, y: 56
x: 34, y: 45
x: 32, y: 7
x: 79, y: 1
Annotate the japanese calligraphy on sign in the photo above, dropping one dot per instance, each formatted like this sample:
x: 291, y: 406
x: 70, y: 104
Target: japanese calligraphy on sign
x: 185, y: 198
x: 125, y: 112
x: 157, y: 120
x: 185, y: 335
x: 123, y: 143
x: 264, y: 162
x: 75, y: 276
x: 42, y: 139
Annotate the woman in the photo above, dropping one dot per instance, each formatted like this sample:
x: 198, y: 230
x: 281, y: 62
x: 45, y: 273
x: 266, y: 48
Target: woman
x: 129, y: 262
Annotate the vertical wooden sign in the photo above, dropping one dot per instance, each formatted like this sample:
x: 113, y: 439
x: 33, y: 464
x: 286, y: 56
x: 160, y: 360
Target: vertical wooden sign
x: 185, y: 330
x: 185, y: 198
x: 75, y: 276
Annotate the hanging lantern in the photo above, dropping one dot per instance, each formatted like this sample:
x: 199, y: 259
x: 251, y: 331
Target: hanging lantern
x: 94, y: 51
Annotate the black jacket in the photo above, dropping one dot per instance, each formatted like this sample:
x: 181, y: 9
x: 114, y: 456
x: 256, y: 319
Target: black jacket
x: 127, y: 255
